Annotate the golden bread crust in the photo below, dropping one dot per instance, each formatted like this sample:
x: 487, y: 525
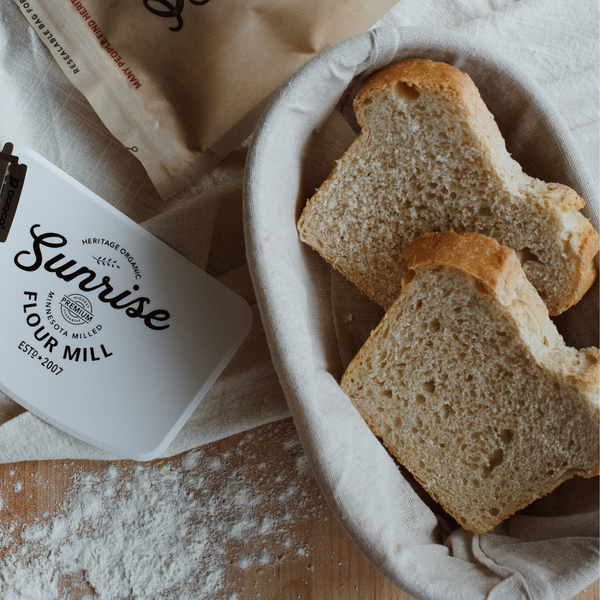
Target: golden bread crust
x: 476, y: 255
x: 498, y: 269
x: 420, y: 74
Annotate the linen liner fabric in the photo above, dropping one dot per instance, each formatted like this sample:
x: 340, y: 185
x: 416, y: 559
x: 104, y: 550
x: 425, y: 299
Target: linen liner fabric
x: 550, y: 549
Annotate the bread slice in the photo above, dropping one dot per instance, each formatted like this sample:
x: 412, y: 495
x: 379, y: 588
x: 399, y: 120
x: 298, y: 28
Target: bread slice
x: 431, y: 158
x: 469, y: 385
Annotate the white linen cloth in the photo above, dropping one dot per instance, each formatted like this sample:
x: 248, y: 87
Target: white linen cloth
x: 316, y: 321
x: 546, y: 552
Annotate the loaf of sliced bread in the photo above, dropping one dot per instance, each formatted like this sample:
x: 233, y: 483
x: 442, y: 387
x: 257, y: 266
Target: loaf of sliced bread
x: 429, y: 158
x: 469, y: 385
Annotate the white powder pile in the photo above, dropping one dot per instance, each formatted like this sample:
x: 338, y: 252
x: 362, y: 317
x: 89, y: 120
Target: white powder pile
x: 174, y: 529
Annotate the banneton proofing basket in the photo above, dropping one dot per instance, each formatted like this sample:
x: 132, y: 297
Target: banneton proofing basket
x: 316, y: 321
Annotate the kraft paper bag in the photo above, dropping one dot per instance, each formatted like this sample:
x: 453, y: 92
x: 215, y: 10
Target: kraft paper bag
x: 181, y: 83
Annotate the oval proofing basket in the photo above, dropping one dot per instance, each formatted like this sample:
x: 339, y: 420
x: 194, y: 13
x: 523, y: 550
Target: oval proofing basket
x: 316, y: 321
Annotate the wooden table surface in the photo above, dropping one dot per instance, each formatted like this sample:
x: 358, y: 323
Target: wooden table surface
x: 309, y: 554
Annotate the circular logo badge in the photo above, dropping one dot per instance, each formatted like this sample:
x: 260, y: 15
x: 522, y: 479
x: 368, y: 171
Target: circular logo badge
x: 76, y: 309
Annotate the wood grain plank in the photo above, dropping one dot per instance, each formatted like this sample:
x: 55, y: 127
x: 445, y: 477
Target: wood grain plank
x: 329, y: 566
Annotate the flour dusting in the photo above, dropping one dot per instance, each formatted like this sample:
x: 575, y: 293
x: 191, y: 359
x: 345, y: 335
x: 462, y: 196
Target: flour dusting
x: 180, y: 528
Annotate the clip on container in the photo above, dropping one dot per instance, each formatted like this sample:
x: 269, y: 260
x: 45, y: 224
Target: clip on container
x: 107, y: 333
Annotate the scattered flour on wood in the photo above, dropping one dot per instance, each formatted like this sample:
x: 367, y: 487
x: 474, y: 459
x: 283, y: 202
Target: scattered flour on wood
x: 172, y: 529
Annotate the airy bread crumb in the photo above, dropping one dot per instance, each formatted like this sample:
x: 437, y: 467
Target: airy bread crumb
x: 470, y: 386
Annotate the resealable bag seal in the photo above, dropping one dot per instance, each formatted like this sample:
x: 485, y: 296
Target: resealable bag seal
x: 12, y: 179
